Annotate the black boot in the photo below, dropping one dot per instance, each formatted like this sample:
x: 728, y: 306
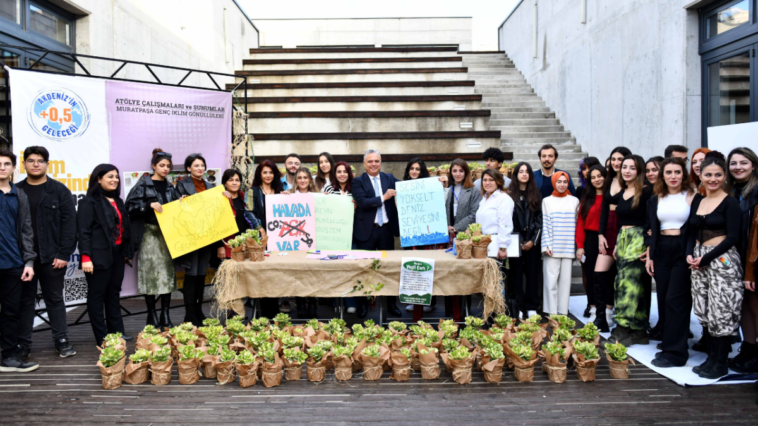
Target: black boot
x: 702, y: 344
x: 746, y: 361
x: 165, y: 320
x: 708, y: 361
x: 719, y: 367
x: 601, y: 322
x: 189, y: 299
x: 199, y: 296
x: 392, y: 308
x: 152, y: 318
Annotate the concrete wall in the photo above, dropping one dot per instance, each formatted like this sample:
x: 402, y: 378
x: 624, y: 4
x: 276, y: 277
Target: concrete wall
x: 320, y: 32
x: 211, y: 35
x: 629, y: 76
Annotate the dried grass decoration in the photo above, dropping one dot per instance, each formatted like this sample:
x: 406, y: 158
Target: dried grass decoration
x: 618, y: 360
x: 238, y: 248
x: 111, y: 365
x: 256, y: 246
x: 463, y: 245
x: 137, y: 370
x: 225, y: 283
x: 586, y: 359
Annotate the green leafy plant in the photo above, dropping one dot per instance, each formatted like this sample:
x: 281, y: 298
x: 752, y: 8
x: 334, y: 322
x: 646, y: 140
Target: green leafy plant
x: 313, y: 323
x: 459, y: 353
x: 158, y: 340
x: 372, y: 351
x: 111, y: 356
x: 416, y: 330
x: 113, y: 339
x: 211, y: 331
x: 236, y: 318
x: 587, y: 349
x: 185, y: 337
x: 476, y: 239
x: 427, y: 351
x: 317, y: 353
x: 187, y: 326
x: 189, y: 352
x: 279, y: 334
x: 259, y: 324
x: 265, y: 346
x: 589, y: 332
x: 462, y: 236
x: 175, y: 330
x: 222, y: 340
x: 450, y: 344
x: 564, y: 321
x: 149, y: 330
x: 342, y: 350
x: 235, y: 328
x: 503, y: 321
x: 248, y: 334
x: 325, y: 344
x: 554, y: 348
x: 254, y: 234
x: 407, y: 352
x: 535, y: 319
x: 522, y: 338
x: 616, y: 351
x: 398, y: 326
x: 141, y: 355
x: 335, y: 326
x: 210, y: 322
x: 352, y: 343
x: 214, y: 349
x: 228, y: 355
x: 496, y: 334
x: 468, y: 333
x: 449, y: 329
x: 269, y: 355
x: 161, y: 355
x: 245, y: 358
x: 494, y: 351
x: 473, y: 228
x: 475, y: 322
x: 295, y: 356
x: 528, y: 326
x: 369, y: 287
x: 431, y: 335
x: 561, y: 335
x: 524, y: 352
x: 282, y: 320
x: 290, y: 342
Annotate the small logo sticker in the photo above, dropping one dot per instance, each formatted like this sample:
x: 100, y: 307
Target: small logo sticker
x: 58, y: 114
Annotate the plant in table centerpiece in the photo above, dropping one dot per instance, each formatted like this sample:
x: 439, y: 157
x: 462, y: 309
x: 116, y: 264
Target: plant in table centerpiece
x: 561, y: 335
x: 214, y: 349
x: 140, y: 356
x: 484, y: 340
x: 423, y: 341
x: 210, y: 322
x: 111, y: 364
x: 269, y: 355
x: 149, y: 330
x: 494, y: 351
x: 416, y: 330
x: 462, y: 236
x: 523, y: 338
x: 372, y: 351
x: 504, y: 321
x: 386, y: 339
x: 450, y: 330
x: 161, y: 355
x: 523, y: 351
x: 588, y: 333
x: 496, y: 334
x: 352, y: 342
x: 282, y: 320
x: 398, y: 326
x: 279, y: 334
x: 247, y: 334
x: 336, y: 326
x: 222, y: 340
x: 158, y: 340
x: 211, y: 331
x: 474, y: 322
x: 174, y: 330
x: 110, y: 356
x: 265, y: 346
x: 449, y: 344
x: 468, y: 333
x: 431, y: 335
x: 555, y: 348
x: 290, y: 342
x: 317, y: 353
x: 136, y: 371
x: 325, y: 344
x: 247, y: 368
x: 473, y: 228
x: 295, y: 356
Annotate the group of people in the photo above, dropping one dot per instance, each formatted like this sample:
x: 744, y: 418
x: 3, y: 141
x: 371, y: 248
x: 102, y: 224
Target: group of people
x: 694, y: 229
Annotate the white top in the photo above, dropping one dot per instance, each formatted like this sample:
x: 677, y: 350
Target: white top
x: 495, y: 214
x: 673, y: 211
x: 457, y: 189
x: 376, y: 182
x: 323, y: 188
x: 559, y: 225
x: 506, y: 184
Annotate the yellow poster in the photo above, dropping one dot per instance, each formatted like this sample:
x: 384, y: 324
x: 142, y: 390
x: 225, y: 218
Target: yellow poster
x: 196, y: 221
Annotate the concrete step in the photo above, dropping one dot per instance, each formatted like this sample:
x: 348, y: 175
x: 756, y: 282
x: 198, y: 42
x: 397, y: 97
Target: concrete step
x: 368, y: 121
x: 570, y: 165
x: 347, y: 54
x: 564, y: 155
x: 363, y: 75
x: 369, y: 51
x: 366, y: 106
x: 518, y: 122
x: 502, y: 112
x: 507, y: 142
x: 537, y: 130
x: 484, y: 70
x: 280, y: 65
x: 530, y: 149
x: 362, y: 91
x: 521, y: 115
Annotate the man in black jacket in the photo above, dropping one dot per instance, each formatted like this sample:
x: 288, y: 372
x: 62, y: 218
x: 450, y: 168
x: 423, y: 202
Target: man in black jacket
x: 16, y: 261
x: 54, y: 223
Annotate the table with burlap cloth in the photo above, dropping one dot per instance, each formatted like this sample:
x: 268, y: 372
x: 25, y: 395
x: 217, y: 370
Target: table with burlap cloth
x: 295, y: 276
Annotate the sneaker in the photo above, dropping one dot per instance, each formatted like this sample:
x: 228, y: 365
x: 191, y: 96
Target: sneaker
x: 586, y: 311
x: 64, y: 348
x: 25, y: 351
x: 609, y: 317
x: 662, y: 362
x: 593, y: 315
x: 351, y: 310
x: 14, y: 364
x: 409, y: 308
x: 285, y: 307
x: 428, y: 309
x: 126, y: 337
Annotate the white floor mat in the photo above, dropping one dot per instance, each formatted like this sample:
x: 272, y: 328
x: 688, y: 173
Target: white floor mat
x: 646, y: 353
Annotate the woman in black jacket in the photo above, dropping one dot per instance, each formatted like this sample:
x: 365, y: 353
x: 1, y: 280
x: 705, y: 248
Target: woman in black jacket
x: 156, y: 275
x: 196, y: 263
x: 105, y: 247
x: 527, y: 221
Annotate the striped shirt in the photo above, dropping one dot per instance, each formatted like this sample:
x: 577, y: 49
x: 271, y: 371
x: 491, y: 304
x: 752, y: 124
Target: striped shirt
x: 559, y: 225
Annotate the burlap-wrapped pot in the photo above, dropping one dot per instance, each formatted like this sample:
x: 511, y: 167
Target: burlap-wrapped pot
x: 189, y: 371
x: 479, y: 250
x: 160, y: 372
x: 463, y: 249
x: 272, y: 372
x: 143, y: 342
x: 292, y: 371
x: 493, y: 370
x: 136, y: 374
x: 523, y: 369
x: 315, y: 371
x: 585, y: 369
x: 415, y: 363
x: 247, y: 374
x: 401, y: 367
x: 239, y: 254
x: 343, y: 367
x: 554, y: 366
x: 372, y: 366
x: 430, y: 366
x: 357, y: 359
x: 461, y: 368
x: 255, y: 250
x: 112, y: 376
x: 207, y: 362
x: 225, y: 372
x: 619, y: 369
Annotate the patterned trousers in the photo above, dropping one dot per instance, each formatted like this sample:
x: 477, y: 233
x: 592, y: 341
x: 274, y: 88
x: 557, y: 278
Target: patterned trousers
x: 630, y: 298
x: 717, y: 292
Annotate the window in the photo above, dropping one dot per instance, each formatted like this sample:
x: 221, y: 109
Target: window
x: 729, y: 91
x: 47, y: 24
x: 11, y: 10
x: 727, y: 18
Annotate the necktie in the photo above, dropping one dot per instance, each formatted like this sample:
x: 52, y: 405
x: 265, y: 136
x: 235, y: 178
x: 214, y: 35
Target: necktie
x: 380, y: 210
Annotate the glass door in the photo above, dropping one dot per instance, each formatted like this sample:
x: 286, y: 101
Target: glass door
x: 13, y: 60
x: 730, y: 82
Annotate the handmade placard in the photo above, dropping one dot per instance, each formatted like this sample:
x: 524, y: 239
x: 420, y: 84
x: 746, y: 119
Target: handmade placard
x: 421, y: 212
x: 334, y: 222
x: 291, y: 222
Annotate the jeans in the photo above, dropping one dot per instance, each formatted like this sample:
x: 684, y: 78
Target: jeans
x: 51, y: 282
x: 11, y: 288
x: 103, y: 293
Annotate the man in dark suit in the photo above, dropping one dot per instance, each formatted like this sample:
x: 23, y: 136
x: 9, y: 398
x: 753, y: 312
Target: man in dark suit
x: 376, y: 225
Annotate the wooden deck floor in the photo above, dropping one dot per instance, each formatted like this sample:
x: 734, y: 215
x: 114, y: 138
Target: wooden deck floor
x: 68, y: 391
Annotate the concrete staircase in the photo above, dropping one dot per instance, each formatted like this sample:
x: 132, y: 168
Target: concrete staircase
x: 433, y: 102
x: 524, y: 120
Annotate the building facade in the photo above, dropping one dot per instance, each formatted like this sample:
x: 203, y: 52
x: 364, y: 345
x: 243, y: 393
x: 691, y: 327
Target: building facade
x: 639, y: 73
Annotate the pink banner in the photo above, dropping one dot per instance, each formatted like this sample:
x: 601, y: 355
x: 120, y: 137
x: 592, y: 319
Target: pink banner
x: 291, y: 222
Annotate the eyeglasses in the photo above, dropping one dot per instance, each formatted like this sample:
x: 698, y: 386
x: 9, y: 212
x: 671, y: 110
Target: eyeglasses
x: 37, y: 162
